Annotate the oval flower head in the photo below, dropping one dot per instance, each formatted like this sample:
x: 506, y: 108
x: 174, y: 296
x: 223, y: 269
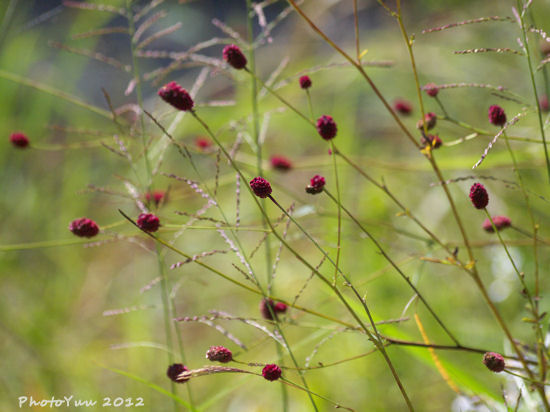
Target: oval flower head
x: 479, y: 196
x: 260, y: 187
x: 148, y: 222
x: 326, y: 127
x: 176, y: 96
x: 233, y: 55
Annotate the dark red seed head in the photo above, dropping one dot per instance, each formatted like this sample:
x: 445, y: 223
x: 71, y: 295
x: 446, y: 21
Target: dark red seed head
x: 280, y: 307
x: 148, y: 222
x: 19, y: 140
x: 430, y: 119
x: 317, y: 183
x: 233, y: 55
x: 260, y: 187
x: 544, y: 105
x: 203, y: 143
x: 501, y: 222
x: 479, y: 196
x: 219, y: 354
x: 494, y: 361
x: 402, y: 106
x: 326, y: 126
x: 157, y: 197
x: 176, y: 96
x: 271, y: 372
x: 305, y: 82
x: 497, y: 115
x: 175, y: 370
x: 433, y: 140
x: 84, y: 227
x: 431, y: 89
x: 265, y: 305
x: 281, y: 163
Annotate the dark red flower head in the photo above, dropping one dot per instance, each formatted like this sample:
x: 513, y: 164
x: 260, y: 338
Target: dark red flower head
x: 176, y: 96
x: 175, y: 370
x: 280, y: 307
x: 431, y: 89
x: 402, y: 106
x: 497, y: 115
x: 203, y: 143
x: 479, y: 196
x: 271, y: 372
x: 84, y: 227
x: 276, y: 308
x: 544, y: 105
x: 19, y: 140
x: 260, y: 187
x: 433, y: 140
x: 305, y: 82
x: 431, y: 120
x: 501, y: 222
x: 219, y: 354
x: 317, y: 183
x: 234, y: 57
x: 157, y: 197
x: 281, y: 163
x: 494, y: 361
x: 148, y: 222
x: 326, y: 126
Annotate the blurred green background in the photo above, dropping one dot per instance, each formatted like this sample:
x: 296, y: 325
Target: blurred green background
x: 57, y: 338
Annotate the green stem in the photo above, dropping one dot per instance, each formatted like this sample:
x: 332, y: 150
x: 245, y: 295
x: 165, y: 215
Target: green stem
x: 394, y: 265
x: 534, y: 85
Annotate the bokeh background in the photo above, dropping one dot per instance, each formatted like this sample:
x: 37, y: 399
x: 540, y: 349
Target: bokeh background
x: 57, y: 336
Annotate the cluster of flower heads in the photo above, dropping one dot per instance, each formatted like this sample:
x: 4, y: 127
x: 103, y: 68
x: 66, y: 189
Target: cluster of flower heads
x: 270, y: 372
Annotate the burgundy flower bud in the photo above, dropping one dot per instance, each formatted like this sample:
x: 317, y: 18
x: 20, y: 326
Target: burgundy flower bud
x: 433, y: 140
x: 234, y: 57
x: 157, y: 197
x: 494, y: 361
x: 19, y: 140
x: 326, y: 127
x: 84, y: 227
x: 271, y: 372
x: 281, y: 163
x: 431, y: 89
x: 176, y: 96
x: 203, y: 143
x: 219, y: 354
x: 276, y: 308
x: 265, y: 305
x: 544, y: 105
x: 479, y: 196
x: 430, y: 119
x: 545, y: 47
x: 497, y: 115
x: 402, y: 106
x: 260, y: 187
x: 317, y: 183
x: 175, y: 370
x: 280, y: 307
x: 148, y: 222
x: 305, y: 82
x: 501, y: 222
